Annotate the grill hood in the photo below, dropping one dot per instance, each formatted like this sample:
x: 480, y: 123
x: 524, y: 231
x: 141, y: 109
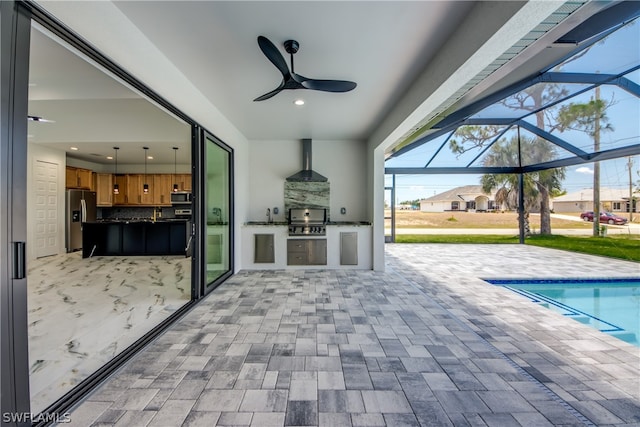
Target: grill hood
x: 306, y: 174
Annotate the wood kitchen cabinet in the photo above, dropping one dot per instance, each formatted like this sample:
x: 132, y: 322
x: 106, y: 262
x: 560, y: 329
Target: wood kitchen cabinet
x: 162, y: 188
x: 184, y: 182
x: 78, y: 178
x: 134, y: 189
x: 104, y: 189
x: 146, y: 198
x: 135, y: 195
x: 121, y: 197
x: 131, y: 193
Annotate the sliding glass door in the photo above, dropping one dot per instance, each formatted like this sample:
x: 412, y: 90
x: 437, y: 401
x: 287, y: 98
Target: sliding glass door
x: 14, y: 366
x: 218, y: 239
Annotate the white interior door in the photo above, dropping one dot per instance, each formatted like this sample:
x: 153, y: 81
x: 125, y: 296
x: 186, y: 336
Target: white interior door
x: 46, y: 208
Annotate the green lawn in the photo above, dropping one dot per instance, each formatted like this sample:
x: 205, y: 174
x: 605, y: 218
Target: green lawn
x: 619, y: 246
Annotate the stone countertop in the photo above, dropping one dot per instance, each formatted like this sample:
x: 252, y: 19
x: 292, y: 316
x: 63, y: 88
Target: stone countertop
x: 265, y: 223
x: 350, y: 223
x: 284, y: 223
x: 136, y: 220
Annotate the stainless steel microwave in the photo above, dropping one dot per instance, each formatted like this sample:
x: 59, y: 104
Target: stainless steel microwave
x: 181, y: 198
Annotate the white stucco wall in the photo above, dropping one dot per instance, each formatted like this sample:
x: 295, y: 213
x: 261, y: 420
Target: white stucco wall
x: 435, y: 206
x: 271, y: 162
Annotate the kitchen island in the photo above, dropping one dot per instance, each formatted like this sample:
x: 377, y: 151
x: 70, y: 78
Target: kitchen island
x: 135, y: 237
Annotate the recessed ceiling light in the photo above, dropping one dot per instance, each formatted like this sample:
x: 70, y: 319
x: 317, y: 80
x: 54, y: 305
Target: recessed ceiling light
x: 150, y: 157
x: 299, y: 102
x: 109, y: 157
x: 74, y: 148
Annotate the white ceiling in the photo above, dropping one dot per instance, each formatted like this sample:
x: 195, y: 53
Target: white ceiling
x: 384, y: 46
x: 379, y: 45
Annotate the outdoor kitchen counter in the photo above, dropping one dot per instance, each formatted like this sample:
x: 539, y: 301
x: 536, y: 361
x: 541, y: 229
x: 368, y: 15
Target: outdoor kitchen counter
x: 280, y: 234
x: 283, y: 223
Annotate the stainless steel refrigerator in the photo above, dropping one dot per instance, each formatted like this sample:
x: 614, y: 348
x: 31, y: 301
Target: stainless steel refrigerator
x: 81, y: 207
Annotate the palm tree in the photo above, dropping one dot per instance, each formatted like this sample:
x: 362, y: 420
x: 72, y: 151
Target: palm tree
x: 537, y: 185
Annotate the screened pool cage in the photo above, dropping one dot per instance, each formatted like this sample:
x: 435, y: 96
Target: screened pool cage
x: 583, y: 109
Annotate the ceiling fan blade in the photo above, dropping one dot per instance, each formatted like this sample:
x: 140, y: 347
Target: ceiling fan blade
x: 273, y: 54
x: 270, y: 94
x: 39, y: 119
x: 329, y: 85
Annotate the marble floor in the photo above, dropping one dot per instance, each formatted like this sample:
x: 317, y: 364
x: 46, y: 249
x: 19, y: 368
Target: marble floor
x: 83, y: 312
x: 425, y: 343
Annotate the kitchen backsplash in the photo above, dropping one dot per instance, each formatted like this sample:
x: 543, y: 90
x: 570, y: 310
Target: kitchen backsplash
x: 135, y: 212
x: 306, y: 195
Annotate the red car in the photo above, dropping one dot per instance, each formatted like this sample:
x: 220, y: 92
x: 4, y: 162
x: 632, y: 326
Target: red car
x: 605, y: 218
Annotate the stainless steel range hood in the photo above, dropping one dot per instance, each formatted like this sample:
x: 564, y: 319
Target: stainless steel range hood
x: 306, y: 174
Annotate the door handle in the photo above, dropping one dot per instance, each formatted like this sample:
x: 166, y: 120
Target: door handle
x: 83, y: 214
x: 19, y: 260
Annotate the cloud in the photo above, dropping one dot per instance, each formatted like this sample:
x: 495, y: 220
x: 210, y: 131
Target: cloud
x: 585, y: 170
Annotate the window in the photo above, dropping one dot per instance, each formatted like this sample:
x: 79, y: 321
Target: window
x: 455, y: 206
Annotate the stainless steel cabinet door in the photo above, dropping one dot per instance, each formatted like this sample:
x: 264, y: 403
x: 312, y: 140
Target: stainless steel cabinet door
x: 263, y: 248
x: 297, y: 252
x: 317, y: 251
x: 349, y: 248
x: 307, y: 252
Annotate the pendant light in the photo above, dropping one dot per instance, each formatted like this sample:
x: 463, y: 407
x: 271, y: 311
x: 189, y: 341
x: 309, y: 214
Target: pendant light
x: 116, y: 188
x: 175, y: 169
x: 145, y: 186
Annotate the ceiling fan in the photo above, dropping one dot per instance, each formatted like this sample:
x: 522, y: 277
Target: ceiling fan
x: 291, y: 80
x: 39, y: 119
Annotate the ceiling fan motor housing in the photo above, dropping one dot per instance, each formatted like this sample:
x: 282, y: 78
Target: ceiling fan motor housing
x: 291, y: 46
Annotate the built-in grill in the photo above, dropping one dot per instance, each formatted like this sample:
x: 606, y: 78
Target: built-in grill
x: 307, y: 222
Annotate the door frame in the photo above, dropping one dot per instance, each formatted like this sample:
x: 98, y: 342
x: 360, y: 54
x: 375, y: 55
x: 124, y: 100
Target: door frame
x: 15, y: 29
x: 200, y: 208
x: 15, y: 32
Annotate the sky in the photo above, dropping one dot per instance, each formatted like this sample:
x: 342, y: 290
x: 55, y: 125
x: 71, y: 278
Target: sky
x: 616, y: 54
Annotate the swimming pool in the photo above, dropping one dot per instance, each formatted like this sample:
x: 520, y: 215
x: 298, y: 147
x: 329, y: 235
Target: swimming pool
x: 610, y: 305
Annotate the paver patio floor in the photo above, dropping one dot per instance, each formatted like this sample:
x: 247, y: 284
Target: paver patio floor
x: 425, y: 343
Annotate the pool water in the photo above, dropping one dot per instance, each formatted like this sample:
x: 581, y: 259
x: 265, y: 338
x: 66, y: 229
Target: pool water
x: 610, y: 305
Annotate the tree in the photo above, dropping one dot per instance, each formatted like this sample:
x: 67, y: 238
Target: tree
x: 591, y: 118
x: 537, y: 186
x: 530, y: 99
x: 413, y: 203
x: 541, y: 185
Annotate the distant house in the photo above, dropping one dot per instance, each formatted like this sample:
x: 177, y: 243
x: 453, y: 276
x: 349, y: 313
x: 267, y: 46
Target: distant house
x: 466, y: 198
x: 611, y: 199
x: 404, y: 207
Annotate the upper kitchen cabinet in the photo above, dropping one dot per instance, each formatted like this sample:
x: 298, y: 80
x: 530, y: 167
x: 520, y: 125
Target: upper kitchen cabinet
x: 135, y: 194
x: 104, y: 189
x: 162, y: 188
x: 131, y: 192
x: 78, y: 178
x: 183, y: 181
x: 121, y: 197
